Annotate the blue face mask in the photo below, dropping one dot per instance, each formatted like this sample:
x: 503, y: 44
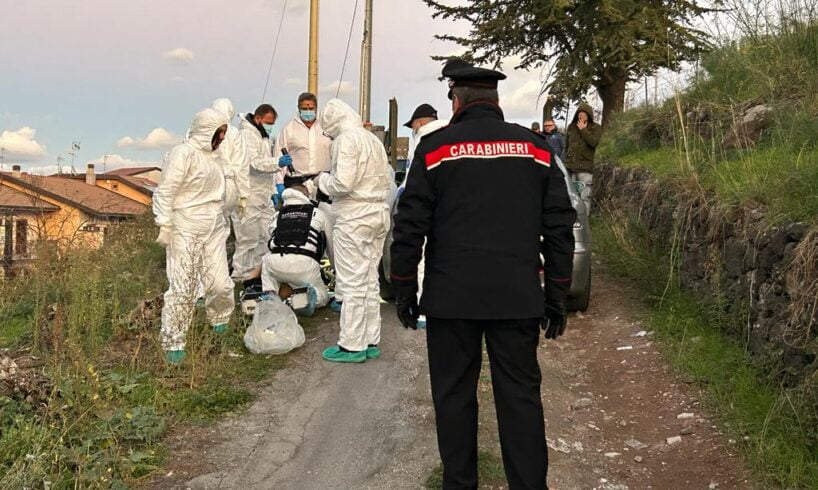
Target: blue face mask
x: 307, y: 116
x: 268, y: 128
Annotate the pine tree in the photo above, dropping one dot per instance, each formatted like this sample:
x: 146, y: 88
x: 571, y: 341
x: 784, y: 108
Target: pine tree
x: 592, y: 43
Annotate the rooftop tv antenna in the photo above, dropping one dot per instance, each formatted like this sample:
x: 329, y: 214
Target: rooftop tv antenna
x: 105, y: 162
x: 60, y: 159
x: 75, y: 147
x: 2, y: 157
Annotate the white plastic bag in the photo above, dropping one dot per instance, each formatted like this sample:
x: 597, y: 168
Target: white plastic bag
x: 275, y: 329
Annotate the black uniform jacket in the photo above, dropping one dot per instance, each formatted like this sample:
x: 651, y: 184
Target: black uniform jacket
x: 482, y: 192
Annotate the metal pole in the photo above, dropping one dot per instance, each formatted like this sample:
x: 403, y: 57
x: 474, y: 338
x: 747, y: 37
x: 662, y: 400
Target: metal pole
x: 366, y: 64
x: 312, y: 66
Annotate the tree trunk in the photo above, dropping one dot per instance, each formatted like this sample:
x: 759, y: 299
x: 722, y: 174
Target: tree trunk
x: 611, y: 90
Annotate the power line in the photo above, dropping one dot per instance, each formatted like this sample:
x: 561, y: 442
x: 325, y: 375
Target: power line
x: 346, y: 53
x: 275, y: 47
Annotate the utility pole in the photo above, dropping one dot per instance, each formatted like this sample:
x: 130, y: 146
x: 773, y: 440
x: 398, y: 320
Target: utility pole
x: 312, y: 66
x: 366, y: 64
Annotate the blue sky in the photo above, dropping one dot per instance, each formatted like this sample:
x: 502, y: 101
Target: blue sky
x: 124, y: 78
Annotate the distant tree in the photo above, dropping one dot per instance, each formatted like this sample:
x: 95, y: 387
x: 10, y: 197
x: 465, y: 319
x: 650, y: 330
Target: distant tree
x: 592, y: 43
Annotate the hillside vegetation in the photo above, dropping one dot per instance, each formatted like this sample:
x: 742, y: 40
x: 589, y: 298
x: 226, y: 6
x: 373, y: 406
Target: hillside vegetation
x: 682, y: 139
x: 88, y: 397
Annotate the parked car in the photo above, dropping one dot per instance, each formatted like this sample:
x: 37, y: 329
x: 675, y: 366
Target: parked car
x: 579, y: 295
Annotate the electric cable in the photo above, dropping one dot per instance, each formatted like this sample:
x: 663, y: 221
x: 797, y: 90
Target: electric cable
x: 346, y: 53
x: 273, y: 55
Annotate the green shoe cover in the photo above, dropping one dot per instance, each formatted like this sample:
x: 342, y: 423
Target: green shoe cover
x: 335, y: 354
x: 372, y: 352
x: 220, y: 328
x: 175, y: 356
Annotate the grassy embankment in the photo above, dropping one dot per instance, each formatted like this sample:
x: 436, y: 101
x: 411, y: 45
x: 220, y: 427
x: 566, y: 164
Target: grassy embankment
x: 98, y: 398
x: 779, y: 175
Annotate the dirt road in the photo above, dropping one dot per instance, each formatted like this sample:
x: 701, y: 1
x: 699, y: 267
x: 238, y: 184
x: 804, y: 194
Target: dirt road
x: 611, y: 405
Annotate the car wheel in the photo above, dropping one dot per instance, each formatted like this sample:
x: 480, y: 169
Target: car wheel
x: 580, y: 302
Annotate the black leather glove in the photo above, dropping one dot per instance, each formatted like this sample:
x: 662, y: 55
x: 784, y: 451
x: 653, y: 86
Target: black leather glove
x: 553, y: 323
x: 408, y: 311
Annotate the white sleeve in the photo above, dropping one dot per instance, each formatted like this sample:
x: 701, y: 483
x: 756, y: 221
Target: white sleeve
x: 255, y: 156
x: 173, y: 176
x: 234, y: 156
x: 344, y: 177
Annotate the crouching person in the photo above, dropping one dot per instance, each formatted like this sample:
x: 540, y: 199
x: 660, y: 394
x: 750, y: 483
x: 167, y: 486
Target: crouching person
x: 189, y: 209
x: 299, y: 239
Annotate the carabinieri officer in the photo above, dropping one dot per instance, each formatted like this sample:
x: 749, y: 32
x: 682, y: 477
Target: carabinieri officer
x: 485, y: 196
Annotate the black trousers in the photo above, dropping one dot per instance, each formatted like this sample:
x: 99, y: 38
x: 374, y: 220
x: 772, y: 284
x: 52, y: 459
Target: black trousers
x: 455, y: 356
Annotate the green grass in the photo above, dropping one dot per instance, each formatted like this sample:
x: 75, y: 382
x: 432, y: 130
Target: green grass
x: 489, y: 471
x: 104, y: 398
x: 758, y: 415
x: 781, y: 171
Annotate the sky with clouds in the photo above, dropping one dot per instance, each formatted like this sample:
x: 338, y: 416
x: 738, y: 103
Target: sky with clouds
x: 124, y: 78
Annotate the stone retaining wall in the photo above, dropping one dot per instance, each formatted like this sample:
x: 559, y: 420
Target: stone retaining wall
x: 766, y: 275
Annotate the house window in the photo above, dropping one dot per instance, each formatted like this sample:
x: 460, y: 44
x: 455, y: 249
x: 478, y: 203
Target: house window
x: 94, y: 228
x: 21, y: 237
x: 115, y: 186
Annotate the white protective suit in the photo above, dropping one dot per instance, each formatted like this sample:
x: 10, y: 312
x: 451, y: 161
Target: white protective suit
x: 251, y: 230
x: 189, y: 204
x: 358, y: 185
x: 230, y: 155
x: 416, y: 137
x: 297, y: 270
x: 310, y: 149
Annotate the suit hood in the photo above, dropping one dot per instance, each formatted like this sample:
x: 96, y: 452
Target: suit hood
x: 203, y: 127
x: 338, y: 117
x: 225, y: 106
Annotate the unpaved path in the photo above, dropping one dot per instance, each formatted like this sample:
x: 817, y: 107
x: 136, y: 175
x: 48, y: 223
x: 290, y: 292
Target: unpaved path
x: 319, y: 425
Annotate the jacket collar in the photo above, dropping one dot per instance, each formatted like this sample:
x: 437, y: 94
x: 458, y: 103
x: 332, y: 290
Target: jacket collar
x: 259, y: 127
x: 480, y: 109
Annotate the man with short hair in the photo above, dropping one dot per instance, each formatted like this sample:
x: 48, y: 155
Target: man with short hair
x: 304, y: 139
x: 555, y: 139
x: 482, y: 276
x: 535, y: 126
x: 261, y: 169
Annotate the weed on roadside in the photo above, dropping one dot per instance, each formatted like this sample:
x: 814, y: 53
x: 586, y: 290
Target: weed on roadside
x: 758, y: 417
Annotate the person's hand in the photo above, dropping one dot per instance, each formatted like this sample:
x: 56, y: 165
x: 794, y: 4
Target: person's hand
x: 582, y: 124
x: 285, y: 161
x: 554, y: 324
x: 408, y: 311
x: 164, y: 237
x: 242, y: 206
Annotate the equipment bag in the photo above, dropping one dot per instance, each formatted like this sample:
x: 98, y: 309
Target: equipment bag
x: 275, y: 329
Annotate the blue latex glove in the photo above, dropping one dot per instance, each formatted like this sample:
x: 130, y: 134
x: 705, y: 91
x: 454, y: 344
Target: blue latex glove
x: 280, y: 190
x: 285, y: 161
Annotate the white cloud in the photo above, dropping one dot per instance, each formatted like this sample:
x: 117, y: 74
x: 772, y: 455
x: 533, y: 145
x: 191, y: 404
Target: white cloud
x: 183, y: 56
x: 157, y: 139
x: 114, y: 161
x: 294, y: 82
x: 331, y: 88
x: 21, y: 145
x: 522, y: 102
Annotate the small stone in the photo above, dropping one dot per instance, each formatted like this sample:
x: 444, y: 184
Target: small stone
x: 713, y: 486
x: 625, y: 347
x: 640, y: 333
x: 578, y: 447
x: 685, y: 416
x: 686, y: 431
x: 612, y: 455
x: 673, y: 440
x: 635, y: 444
x: 623, y: 423
x: 638, y: 459
x: 582, y: 403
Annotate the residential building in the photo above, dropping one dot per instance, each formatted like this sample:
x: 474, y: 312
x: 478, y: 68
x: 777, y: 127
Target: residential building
x: 64, y: 211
